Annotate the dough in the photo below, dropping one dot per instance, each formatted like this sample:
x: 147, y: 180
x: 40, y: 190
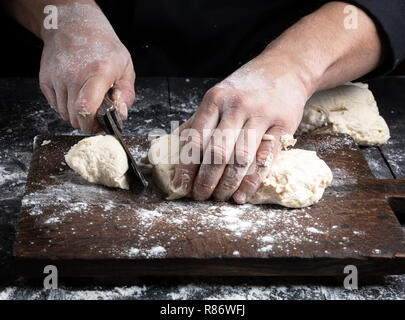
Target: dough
x: 349, y: 109
x: 100, y: 159
x: 164, y: 155
x: 287, y: 140
x: 297, y: 177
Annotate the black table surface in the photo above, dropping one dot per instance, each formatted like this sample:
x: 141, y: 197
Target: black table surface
x: 25, y: 114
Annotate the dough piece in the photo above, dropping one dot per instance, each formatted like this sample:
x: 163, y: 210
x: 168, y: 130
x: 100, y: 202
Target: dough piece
x: 287, y: 140
x: 164, y: 155
x: 268, y: 137
x: 349, y: 109
x: 100, y: 159
x: 297, y: 178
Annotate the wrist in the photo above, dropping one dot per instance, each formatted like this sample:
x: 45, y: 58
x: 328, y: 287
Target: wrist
x: 79, y: 19
x: 306, y: 72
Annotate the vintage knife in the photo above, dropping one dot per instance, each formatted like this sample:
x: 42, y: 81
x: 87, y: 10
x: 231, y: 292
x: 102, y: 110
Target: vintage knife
x: 111, y: 123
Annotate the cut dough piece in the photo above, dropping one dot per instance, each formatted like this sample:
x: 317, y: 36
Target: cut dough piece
x: 297, y: 178
x: 100, y: 159
x: 287, y: 140
x: 164, y: 155
x: 349, y: 109
x: 268, y: 137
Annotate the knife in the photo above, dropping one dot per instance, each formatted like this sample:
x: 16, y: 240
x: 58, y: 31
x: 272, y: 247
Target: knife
x: 111, y: 123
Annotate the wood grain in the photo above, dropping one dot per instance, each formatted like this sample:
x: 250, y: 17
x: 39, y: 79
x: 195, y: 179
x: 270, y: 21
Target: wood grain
x: 92, y: 231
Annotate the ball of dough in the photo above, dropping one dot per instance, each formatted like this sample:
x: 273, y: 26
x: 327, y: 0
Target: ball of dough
x: 100, y: 159
x: 349, y: 109
x: 297, y: 178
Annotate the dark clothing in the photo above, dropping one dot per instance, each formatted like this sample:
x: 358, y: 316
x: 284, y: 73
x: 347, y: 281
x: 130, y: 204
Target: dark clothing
x: 213, y: 38
x: 208, y: 38
x: 201, y: 38
x: 389, y: 16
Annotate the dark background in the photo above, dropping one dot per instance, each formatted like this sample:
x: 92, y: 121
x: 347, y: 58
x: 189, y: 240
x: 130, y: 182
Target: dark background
x: 21, y: 52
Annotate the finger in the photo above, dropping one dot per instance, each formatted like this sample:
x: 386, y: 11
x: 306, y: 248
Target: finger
x: 61, y: 101
x: 89, y: 99
x: 123, y: 93
x: 259, y: 170
x: 217, y: 155
x: 197, y: 137
x: 73, y: 116
x: 185, y: 125
x: 49, y: 94
x: 244, y: 155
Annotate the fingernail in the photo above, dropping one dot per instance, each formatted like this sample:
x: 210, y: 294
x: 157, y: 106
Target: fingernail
x: 123, y: 110
x: 116, y: 95
x: 240, y: 197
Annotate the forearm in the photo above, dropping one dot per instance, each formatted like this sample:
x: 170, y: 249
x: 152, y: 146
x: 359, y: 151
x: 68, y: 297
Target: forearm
x: 31, y: 15
x: 323, y: 52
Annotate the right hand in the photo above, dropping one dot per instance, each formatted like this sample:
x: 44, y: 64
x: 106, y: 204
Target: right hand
x: 81, y: 61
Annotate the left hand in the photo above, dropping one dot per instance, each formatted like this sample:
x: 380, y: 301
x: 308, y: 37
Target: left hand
x: 261, y: 97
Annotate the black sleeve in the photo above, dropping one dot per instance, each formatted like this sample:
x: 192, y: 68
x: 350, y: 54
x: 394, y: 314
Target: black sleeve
x: 389, y: 16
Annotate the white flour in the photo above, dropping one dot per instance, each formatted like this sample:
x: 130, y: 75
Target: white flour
x: 392, y: 289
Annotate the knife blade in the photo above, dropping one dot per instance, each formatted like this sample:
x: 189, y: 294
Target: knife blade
x: 111, y: 123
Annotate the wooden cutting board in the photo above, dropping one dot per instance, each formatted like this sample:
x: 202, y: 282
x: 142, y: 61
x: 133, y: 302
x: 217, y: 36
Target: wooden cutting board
x: 92, y: 231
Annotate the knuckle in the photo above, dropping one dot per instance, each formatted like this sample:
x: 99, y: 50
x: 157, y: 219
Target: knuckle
x: 242, y: 158
x: 240, y: 101
x: 252, y: 182
x: 210, y: 109
x: 203, y: 188
x: 262, y: 155
x: 100, y: 67
x: 194, y: 139
x: 218, y: 152
x: 281, y: 126
x: 227, y: 184
x: 215, y: 95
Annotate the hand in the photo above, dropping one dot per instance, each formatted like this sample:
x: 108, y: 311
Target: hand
x: 81, y: 61
x: 262, y: 97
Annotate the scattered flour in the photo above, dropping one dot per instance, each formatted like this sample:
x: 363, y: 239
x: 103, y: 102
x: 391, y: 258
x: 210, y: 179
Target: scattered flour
x: 53, y: 220
x: 45, y: 142
x: 6, y: 294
